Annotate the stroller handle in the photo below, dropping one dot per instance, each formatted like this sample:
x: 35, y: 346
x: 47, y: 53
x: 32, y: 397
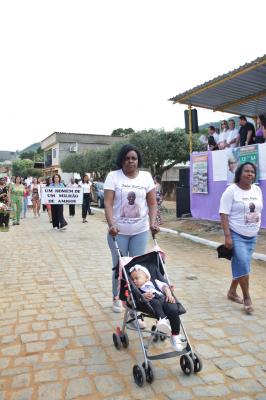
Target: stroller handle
x: 119, y: 251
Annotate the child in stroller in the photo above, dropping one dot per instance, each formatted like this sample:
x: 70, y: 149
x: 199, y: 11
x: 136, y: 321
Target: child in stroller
x: 163, y: 303
x: 146, y: 292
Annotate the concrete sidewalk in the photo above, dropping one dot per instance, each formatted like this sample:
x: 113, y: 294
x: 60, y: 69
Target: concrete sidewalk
x: 56, y: 322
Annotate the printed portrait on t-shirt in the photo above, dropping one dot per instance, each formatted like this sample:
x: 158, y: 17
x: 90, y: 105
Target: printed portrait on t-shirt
x: 130, y: 208
x: 252, y: 216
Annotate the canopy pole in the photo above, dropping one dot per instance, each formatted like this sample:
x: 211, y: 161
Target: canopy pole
x: 190, y: 128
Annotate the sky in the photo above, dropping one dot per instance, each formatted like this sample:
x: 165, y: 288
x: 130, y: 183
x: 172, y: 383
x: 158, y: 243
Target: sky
x: 92, y: 66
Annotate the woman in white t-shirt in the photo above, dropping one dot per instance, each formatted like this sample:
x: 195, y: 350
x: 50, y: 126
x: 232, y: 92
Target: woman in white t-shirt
x: 240, y: 210
x: 86, y: 204
x: 130, y: 209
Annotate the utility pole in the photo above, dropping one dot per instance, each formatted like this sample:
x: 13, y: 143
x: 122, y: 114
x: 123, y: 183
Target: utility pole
x: 190, y: 128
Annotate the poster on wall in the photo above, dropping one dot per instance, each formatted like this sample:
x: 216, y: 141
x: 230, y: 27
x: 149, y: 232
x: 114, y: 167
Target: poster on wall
x: 225, y: 162
x: 241, y: 155
x: 200, y: 173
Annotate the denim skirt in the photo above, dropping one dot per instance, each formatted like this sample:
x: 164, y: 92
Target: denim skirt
x: 243, y: 247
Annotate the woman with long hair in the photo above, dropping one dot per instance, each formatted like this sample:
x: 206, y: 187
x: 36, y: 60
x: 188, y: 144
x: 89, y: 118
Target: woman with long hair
x: 36, y: 197
x: 16, y: 191
x: 260, y: 134
x: 86, y: 204
x: 57, y: 210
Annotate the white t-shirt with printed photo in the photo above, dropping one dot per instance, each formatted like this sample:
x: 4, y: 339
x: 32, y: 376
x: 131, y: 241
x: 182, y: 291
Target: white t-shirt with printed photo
x: 130, y: 209
x: 243, y: 208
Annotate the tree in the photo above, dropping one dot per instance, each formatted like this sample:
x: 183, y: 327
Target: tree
x: 122, y: 132
x: 74, y: 163
x: 32, y: 155
x: 160, y: 150
x: 27, y: 155
x: 25, y: 168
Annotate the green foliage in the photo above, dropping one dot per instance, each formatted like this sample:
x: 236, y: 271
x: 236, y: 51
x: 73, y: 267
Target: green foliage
x: 122, y: 132
x: 74, y: 163
x: 27, y: 155
x: 36, y: 155
x: 162, y: 150
x: 25, y: 168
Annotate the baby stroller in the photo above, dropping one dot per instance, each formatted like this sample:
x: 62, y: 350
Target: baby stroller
x: 137, y: 307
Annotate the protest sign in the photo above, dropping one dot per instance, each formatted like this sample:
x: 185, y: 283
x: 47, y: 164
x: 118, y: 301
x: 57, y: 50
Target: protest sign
x: 58, y: 195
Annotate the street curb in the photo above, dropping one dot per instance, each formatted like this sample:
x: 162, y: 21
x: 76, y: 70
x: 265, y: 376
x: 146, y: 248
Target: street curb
x: 197, y: 239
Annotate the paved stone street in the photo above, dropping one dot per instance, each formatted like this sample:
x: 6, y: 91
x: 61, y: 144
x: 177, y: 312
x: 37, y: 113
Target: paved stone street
x: 56, y: 322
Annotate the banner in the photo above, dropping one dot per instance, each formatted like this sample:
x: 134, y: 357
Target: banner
x: 53, y: 195
x: 225, y: 162
x: 200, y: 173
x: 241, y: 155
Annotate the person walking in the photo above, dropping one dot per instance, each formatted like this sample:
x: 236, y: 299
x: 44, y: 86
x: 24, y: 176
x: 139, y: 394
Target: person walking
x: 72, y: 184
x: 36, y: 197
x: 159, y: 197
x: 4, y: 212
x: 57, y: 210
x: 86, y: 204
x: 16, y: 191
x: 238, y: 202
x: 26, y: 193
x: 131, y: 232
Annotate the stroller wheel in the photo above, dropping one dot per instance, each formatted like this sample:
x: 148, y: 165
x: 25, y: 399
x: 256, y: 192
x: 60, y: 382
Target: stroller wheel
x: 139, y: 375
x: 186, y: 364
x: 197, y: 363
x: 125, y: 340
x: 149, y: 372
x: 117, y: 341
x: 155, y: 335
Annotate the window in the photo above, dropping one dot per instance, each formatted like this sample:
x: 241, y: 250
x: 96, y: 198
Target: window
x: 54, y: 153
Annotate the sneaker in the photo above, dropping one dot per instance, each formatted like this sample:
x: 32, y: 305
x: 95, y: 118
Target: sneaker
x: 134, y: 323
x: 177, y: 343
x: 117, y: 306
x: 163, y: 325
x: 63, y: 226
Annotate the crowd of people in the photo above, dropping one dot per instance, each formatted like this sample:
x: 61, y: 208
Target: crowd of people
x: 132, y: 202
x: 19, y: 195
x: 229, y: 136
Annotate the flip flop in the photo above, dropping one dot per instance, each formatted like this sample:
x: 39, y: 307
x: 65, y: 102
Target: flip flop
x: 235, y: 298
x: 249, y: 309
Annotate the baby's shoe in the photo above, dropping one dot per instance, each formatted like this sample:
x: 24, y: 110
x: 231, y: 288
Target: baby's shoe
x: 177, y: 343
x: 135, y: 323
x: 163, y: 325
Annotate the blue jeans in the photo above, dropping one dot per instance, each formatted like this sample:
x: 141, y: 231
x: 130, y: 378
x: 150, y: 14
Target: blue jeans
x: 243, y: 248
x: 129, y: 246
x: 24, y: 206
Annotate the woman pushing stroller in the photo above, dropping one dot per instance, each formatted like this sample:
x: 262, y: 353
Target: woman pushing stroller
x: 160, y: 297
